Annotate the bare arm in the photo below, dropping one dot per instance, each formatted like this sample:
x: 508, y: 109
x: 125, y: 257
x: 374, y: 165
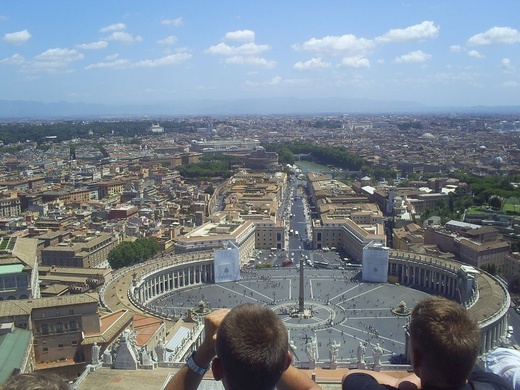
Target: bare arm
x: 294, y: 379
x: 186, y: 379
x: 409, y: 382
x: 382, y: 379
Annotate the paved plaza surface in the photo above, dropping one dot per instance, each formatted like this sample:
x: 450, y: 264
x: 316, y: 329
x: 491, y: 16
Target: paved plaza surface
x: 344, y: 309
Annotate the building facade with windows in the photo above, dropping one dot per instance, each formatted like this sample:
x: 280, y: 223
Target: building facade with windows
x: 58, y: 324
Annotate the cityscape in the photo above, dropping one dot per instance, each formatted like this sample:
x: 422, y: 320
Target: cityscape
x: 337, y: 163
x: 69, y: 207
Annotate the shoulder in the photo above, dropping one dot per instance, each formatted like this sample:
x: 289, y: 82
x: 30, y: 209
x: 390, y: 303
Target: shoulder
x: 362, y: 381
x: 481, y: 380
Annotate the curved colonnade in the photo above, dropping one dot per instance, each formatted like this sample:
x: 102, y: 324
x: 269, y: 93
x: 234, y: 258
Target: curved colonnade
x: 488, y: 300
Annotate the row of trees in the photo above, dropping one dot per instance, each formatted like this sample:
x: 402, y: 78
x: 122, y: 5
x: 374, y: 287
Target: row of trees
x: 337, y: 156
x: 11, y: 133
x: 128, y: 253
x: 333, y: 155
x: 210, y: 167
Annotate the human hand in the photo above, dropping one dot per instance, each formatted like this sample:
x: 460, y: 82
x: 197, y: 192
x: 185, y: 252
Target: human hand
x: 206, y: 351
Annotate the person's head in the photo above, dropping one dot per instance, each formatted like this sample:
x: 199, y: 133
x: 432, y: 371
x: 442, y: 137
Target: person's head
x: 252, y: 348
x: 445, y: 341
x: 35, y: 381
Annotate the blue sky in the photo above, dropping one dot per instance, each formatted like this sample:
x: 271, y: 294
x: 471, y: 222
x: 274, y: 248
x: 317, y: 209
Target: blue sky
x: 459, y: 53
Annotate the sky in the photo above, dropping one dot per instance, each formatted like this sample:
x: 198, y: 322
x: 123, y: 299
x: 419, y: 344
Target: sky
x: 435, y: 52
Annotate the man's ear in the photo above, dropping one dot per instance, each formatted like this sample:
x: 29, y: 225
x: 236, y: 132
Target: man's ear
x: 289, y: 360
x: 216, y: 369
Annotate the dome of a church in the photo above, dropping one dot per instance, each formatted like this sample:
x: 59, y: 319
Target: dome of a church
x: 427, y: 136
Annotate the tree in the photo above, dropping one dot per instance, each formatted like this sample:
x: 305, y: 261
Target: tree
x: 129, y: 253
x: 495, y: 202
x: 210, y: 189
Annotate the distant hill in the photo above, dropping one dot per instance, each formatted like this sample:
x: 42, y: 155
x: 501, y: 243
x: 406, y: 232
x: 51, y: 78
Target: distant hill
x: 20, y: 109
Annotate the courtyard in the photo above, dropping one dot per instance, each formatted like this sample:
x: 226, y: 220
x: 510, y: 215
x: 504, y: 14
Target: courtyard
x: 344, y: 309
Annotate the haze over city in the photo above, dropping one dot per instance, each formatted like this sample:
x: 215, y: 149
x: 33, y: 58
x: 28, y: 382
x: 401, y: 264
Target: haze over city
x: 432, y: 53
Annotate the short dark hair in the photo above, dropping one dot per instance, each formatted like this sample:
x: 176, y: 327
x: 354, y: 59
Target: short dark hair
x: 446, y: 336
x: 35, y: 381
x: 252, y: 345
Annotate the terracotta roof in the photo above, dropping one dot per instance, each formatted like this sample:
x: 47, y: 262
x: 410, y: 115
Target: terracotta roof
x: 112, y: 325
x: 14, y: 308
x: 64, y: 300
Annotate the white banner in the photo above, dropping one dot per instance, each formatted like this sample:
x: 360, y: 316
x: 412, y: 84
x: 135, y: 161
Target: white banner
x: 227, y: 265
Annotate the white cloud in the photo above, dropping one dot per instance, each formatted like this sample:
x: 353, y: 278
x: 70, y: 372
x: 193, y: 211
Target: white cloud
x: 177, y: 22
x: 251, y: 60
x: 312, y: 64
x: 17, y: 38
x: 112, y: 62
x: 414, y: 56
x: 122, y: 36
x: 506, y: 65
x: 455, y: 48
x: 2, y: 18
x: 114, y: 27
x: 355, y: 62
x: 170, y: 40
x: 53, y: 60
x: 276, y: 80
x: 93, y: 45
x: 117, y: 64
x: 511, y: 84
x: 111, y: 57
x: 337, y: 45
x: 418, y: 32
x: 15, y: 59
x: 173, y: 59
x: 58, y: 54
x: 250, y: 49
x: 475, y: 54
x: 240, y: 36
x: 496, y: 36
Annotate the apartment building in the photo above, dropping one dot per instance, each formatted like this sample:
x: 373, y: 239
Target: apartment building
x: 10, y: 204
x: 18, y: 268
x: 478, y: 247
x: 87, y: 251
x: 58, y: 324
x: 216, y: 233
x: 269, y: 234
x: 346, y: 234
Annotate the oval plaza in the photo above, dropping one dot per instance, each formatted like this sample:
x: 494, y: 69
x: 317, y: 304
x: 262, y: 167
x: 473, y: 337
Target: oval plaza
x: 483, y: 295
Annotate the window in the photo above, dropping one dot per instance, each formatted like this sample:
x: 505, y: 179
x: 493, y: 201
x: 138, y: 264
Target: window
x: 74, y: 342
x: 73, y: 325
x: 45, y: 349
x: 44, y: 328
x: 71, y: 311
x: 60, y: 346
x: 59, y: 327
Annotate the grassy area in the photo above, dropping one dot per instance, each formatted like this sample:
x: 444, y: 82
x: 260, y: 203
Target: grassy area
x: 511, y: 205
x: 507, y: 208
x: 511, y: 208
x: 479, y: 210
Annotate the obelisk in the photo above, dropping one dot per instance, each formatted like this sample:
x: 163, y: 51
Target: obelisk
x: 300, y: 298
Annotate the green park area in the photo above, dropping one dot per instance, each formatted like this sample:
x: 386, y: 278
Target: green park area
x: 511, y: 205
